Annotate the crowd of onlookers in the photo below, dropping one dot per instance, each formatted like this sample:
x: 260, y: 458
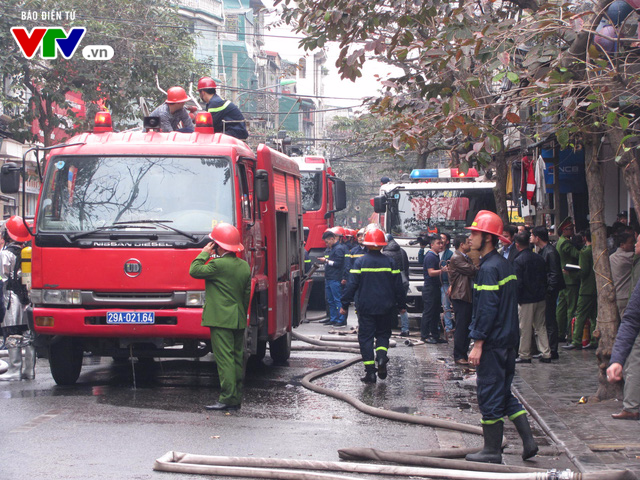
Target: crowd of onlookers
x: 557, y: 293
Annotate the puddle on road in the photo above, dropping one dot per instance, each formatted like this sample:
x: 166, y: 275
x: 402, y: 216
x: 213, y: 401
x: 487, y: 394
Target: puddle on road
x: 413, y: 386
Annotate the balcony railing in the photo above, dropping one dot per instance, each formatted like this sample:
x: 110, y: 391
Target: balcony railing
x: 212, y: 7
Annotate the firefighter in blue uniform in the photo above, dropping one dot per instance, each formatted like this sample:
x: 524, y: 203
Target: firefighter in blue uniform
x: 227, y: 117
x: 359, y: 250
x: 494, y: 330
x: 334, y: 263
x: 376, y: 284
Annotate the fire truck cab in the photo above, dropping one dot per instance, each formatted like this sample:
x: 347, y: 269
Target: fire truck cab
x: 323, y: 194
x: 119, y: 220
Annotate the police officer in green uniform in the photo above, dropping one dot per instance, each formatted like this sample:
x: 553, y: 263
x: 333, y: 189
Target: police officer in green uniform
x: 567, y: 298
x: 587, y: 299
x: 227, y: 294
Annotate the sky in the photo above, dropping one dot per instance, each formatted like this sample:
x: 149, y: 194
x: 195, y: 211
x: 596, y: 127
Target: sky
x: 346, y: 92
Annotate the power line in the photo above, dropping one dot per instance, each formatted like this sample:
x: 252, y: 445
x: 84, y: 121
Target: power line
x: 312, y: 111
x: 201, y: 62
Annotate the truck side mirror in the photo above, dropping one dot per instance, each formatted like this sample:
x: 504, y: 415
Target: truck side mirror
x: 341, y: 195
x: 262, y: 185
x: 380, y: 204
x: 10, y: 178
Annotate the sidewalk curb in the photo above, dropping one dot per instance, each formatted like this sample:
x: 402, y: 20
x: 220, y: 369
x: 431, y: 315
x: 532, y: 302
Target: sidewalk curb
x: 577, y: 451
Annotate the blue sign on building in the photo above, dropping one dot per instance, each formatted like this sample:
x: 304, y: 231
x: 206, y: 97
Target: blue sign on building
x: 571, y: 170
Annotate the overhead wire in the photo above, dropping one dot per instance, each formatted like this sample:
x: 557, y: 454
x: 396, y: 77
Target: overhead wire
x: 202, y: 62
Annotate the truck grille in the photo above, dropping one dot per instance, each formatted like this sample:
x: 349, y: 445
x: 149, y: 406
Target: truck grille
x: 164, y: 299
x: 132, y: 296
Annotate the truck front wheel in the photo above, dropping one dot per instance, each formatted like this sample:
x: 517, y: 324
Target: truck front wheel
x: 280, y: 348
x: 65, y: 360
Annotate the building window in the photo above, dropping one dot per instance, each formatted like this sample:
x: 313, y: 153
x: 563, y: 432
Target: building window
x: 302, y: 68
x: 231, y: 27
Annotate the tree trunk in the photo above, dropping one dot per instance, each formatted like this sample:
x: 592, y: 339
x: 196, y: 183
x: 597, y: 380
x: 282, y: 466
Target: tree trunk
x: 608, y: 317
x: 500, y: 192
x: 422, y: 160
x: 628, y: 163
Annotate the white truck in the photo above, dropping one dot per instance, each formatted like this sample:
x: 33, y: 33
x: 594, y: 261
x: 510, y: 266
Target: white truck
x: 434, y: 201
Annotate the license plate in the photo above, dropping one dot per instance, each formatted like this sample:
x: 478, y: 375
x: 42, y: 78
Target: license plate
x: 130, y: 317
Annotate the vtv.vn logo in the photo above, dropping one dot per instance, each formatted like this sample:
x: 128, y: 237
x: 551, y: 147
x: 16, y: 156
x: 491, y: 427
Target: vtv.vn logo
x: 51, y: 39
x: 54, y: 39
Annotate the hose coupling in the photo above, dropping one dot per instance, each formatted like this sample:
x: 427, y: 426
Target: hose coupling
x: 554, y: 474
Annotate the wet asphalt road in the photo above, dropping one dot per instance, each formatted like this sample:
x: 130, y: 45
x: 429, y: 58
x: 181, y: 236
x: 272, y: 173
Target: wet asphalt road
x: 105, y: 428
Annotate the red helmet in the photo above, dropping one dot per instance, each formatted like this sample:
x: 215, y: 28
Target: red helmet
x: 339, y: 231
x: 227, y: 236
x: 176, y: 95
x: 17, y: 230
x: 349, y: 233
x: 374, y: 237
x: 206, y: 82
x: 489, y: 222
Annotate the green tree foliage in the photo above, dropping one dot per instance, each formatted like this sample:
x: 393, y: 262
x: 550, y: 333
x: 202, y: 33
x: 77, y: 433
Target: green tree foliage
x: 493, y: 76
x: 357, y: 155
x: 481, y: 78
x: 149, y: 38
x: 474, y: 70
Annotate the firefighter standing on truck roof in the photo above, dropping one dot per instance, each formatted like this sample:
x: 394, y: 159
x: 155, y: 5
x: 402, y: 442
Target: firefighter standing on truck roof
x: 227, y: 117
x: 227, y: 293
x: 494, y: 329
x: 17, y: 325
x: 172, y: 112
x: 376, y: 284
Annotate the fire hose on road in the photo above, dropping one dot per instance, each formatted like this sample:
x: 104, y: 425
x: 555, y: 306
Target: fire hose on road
x: 435, y: 464
x: 306, y: 469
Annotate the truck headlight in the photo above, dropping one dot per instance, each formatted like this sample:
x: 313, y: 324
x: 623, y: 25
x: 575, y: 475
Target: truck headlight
x: 195, y: 298
x: 56, y: 297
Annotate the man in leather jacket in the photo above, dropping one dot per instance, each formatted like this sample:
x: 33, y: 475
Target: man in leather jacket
x: 461, y: 274
x: 555, y: 283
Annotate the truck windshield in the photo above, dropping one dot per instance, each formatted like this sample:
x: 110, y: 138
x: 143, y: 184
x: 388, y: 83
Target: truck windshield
x: 311, y: 190
x: 417, y: 212
x: 83, y: 193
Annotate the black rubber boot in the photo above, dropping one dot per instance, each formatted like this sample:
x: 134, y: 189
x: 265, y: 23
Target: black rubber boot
x: 529, y: 447
x: 381, y: 361
x: 370, y: 374
x: 492, y: 451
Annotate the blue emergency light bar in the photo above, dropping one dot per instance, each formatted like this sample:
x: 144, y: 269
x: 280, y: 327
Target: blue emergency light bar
x: 421, y: 173
x: 435, y: 173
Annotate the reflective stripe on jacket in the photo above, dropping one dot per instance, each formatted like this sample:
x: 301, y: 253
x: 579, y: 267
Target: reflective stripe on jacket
x: 495, y: 307
x: 335, y: 264
x: 378, y: 284
x: 355, y: 253
x: 227, y: 118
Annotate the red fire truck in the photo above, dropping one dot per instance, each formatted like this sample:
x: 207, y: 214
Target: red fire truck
x: 119, y: 220
x: 323, y: 194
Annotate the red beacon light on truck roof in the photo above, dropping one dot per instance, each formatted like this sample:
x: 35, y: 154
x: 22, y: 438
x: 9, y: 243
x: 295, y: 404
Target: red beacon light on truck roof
x: 204, y: 122
x: 471, y: 172
x: 102, y: 123
x: 314, y: 159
